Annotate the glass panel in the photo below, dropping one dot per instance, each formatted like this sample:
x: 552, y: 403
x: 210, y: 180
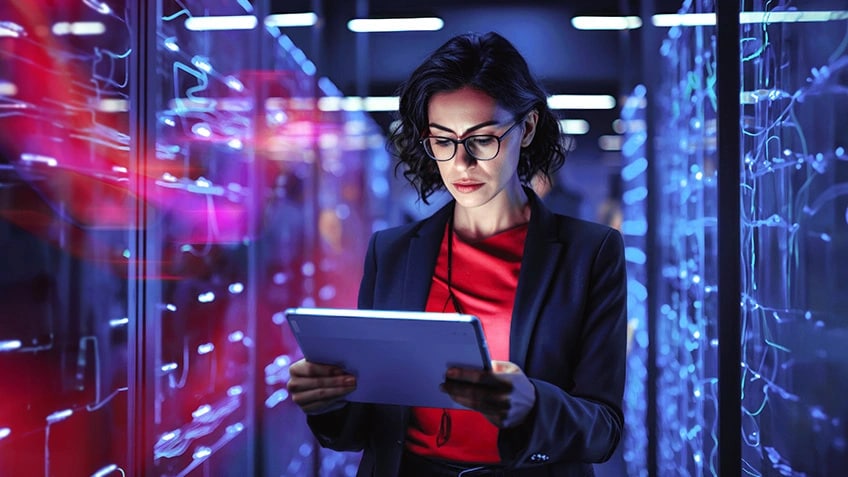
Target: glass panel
x: 203, y: 192
x: 795, y: 238
x: 64, y: 211
x: 686, y: 327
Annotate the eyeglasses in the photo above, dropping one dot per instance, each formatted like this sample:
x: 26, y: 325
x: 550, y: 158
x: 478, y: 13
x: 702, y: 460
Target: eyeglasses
x: 483, y: 147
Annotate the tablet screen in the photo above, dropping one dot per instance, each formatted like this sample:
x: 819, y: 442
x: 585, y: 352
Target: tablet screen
x: 398, y: 357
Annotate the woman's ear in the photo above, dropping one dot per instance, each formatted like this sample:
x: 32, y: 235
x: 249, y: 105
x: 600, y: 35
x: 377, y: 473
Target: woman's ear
x: 530, y: 122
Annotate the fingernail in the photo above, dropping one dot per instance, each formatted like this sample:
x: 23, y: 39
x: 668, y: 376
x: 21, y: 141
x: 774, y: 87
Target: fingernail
x: 350, y: 381
x: 452, y: 373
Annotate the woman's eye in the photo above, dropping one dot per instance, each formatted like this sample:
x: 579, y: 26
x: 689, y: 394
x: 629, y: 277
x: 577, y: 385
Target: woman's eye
x: 442, y: 142
x: 482, y: 140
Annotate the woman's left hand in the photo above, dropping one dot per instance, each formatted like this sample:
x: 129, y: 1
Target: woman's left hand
x: 504, y: 395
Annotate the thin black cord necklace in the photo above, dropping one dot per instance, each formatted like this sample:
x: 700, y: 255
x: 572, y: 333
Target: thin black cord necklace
x: 451, y: 296
x: 445, y: 422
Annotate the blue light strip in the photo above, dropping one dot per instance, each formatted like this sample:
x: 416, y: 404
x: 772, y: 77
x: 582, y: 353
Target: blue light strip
x: 686, y: 326
x: 634, y: 210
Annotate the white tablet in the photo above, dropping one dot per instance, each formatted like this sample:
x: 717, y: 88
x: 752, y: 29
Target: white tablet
x: 398, y: 357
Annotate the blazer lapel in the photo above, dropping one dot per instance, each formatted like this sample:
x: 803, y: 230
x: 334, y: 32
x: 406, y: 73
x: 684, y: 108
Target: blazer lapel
x: 421, y: 259
x: 542, y: 248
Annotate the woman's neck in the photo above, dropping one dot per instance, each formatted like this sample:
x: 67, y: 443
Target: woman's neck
x: 509, y: 209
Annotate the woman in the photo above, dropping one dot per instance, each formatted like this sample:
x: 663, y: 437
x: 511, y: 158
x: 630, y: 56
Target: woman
x: 548, y: 289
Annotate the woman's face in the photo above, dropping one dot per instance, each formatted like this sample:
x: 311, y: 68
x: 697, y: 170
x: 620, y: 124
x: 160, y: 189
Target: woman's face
x: 467, y: 112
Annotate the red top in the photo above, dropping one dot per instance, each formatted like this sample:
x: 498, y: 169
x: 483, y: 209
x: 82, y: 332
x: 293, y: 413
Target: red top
x: 484, y: 278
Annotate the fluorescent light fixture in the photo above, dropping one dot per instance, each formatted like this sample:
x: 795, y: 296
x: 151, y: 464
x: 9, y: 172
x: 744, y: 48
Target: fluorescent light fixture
x: 79, y: 28
x: 606, y: 23
x: 709, y: 19
x: 356, y: 103
x: 113, y: 105
x: 235, y: 22
x: 284, y: 20
x: 574, y: 126
x: 10, y: 345
x: 610, y: 142
x: 39, y: 158
x: 621, y: 126
x: 684, y: 19
x: 373, y: 25
x: 793, y: 16
x: 11, y: 29
x: 581, y: 101
x: 381, y: 103
x: 7, y: 88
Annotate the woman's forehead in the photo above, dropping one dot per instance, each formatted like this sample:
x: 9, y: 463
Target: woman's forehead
x: 466, y: 106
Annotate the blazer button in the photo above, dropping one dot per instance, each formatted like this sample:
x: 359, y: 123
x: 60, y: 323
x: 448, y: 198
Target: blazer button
x: 399, y: 442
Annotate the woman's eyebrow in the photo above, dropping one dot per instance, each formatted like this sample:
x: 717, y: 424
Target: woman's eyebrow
x: 472, y: 128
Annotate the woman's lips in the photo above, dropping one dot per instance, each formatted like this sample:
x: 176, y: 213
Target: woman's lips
x: 467, y: 187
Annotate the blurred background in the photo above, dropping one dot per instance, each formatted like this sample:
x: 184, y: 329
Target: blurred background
x: 174, y: 174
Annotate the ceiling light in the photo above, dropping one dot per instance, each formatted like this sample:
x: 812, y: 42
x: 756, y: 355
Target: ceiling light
x: 581, y: 101
x: 684, y: 19
x: 610, y: 142
x: 709, y: 19
x: 78, y: 28
x: 11, y: 30
x: 793, y: 16
x: 7, y: 88
x: 284, y: 20
x: 236, y: 22
x: 356, y: 103
x: 574, y: 126
x: 606, y: 23
x: 372, y: 25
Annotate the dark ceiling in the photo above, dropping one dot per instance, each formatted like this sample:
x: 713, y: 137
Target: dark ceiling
x: 567, y: 60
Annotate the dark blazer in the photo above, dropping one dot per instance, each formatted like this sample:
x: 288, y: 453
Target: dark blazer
x: 568, y: 334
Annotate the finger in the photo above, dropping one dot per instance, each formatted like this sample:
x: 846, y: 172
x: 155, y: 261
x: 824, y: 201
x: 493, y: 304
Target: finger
x: 306, y: 368
x: 301, y: 384
x: 315, y: 398
x: 483, y: 407
x: 477, y: 376
x: 479, y: 398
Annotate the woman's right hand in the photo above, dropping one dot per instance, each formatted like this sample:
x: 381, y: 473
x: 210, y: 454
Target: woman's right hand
x: 318, y: 388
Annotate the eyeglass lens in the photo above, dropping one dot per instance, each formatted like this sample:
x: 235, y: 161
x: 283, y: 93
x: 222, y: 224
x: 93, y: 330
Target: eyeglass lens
x: 478, y: 147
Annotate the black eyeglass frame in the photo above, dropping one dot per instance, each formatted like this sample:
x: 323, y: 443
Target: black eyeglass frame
x: 457, y: 142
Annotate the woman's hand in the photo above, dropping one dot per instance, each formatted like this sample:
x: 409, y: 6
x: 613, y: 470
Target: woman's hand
x: 504, y: 395
x: 318, y: 388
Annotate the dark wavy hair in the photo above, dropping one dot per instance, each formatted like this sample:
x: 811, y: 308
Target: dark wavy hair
x: 488, y: 63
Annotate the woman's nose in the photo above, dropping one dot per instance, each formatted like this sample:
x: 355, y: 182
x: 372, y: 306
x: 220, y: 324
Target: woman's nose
x: 462, y: 159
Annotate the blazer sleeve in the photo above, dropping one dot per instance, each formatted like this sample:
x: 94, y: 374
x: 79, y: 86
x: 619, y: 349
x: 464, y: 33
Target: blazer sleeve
x: 342, y: 429
x: 585, y: 423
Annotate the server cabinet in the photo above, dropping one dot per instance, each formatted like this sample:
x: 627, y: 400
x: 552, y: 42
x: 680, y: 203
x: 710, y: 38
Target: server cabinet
x: 173, y: 176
